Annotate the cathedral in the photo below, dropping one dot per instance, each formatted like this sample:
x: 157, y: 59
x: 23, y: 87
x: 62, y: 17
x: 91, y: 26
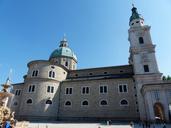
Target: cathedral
x: 55, y: 89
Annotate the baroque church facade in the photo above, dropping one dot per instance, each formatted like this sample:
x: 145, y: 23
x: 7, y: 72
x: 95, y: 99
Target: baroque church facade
x: 55, y: 89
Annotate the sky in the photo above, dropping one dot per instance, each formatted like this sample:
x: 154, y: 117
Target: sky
x: 97, y: 31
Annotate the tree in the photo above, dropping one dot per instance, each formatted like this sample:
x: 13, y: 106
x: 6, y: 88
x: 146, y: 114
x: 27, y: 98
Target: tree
x: 164, y: 78
x: 168, y: 77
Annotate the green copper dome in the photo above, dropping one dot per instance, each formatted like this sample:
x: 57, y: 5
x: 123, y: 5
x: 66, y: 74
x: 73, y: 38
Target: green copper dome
x: 63, y: 51
x: 135, y: 15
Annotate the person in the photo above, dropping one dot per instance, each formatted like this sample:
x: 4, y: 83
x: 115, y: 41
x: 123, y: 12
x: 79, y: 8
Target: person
x: 7, y: 124
x: 164, y: 125
x: 110, y: 122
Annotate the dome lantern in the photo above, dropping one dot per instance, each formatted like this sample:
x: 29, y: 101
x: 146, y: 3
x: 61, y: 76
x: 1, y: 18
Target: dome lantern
x: 64, y: 55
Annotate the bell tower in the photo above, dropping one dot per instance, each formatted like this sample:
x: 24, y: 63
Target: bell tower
x: 142, y: 56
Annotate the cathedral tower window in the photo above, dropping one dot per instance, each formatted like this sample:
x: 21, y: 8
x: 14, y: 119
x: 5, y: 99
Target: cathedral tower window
x: 124, y: 102
x: 85, y: 90
x: 141, y: 40
x: 31, y: 88
x: 103, y: 89
x: 146, y: 68
x: 29, y: 101
x: 35, y: 73
x: 51, y: 74
x: 103, y: 102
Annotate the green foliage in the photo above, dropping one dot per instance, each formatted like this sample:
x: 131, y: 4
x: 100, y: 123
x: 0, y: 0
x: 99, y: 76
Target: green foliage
x: 164, y: 78
x: 168, y: 77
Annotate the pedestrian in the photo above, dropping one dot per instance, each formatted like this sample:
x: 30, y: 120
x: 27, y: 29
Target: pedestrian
x: 164, y: 125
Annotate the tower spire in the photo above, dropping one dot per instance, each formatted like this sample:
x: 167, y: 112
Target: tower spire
x: 135, y: 16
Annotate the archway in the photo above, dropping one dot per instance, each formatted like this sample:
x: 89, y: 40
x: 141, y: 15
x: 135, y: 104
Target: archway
x: 170, y: 111
x: 159, y: 111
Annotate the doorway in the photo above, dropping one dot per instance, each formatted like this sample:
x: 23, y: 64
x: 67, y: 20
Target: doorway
x: 159, y: 111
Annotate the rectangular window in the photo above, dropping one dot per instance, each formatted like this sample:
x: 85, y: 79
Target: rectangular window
x: 31, y: 88
x: 35, y: 73
x: 146, y: 68
x: 120, y: 88
x: 17, y: 92
x: 141, y: 40
x: 50, y: 89
x: 68, y: 90
x: 123, y: 88
x: 85, y: 90
x: 103, y: 89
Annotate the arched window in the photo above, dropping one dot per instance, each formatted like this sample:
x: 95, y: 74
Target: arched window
x: 66, y: 63
x: 35, y: 73
x: 124, y: 103
x: 51, y: 74
x: 29, y: 101
x: 68, y: 103
x: 49, y: 102
x: 31, y: 88
x: 141, y: 40
x: 85, y: 103
x: 103, y: 102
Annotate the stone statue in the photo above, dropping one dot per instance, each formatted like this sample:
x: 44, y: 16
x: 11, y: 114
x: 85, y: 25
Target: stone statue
x: 5, y: 114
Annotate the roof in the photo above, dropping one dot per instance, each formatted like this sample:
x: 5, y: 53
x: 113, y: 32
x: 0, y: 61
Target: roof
x: 124, y: 71
x: 135, y: 14
x: 63, y: 51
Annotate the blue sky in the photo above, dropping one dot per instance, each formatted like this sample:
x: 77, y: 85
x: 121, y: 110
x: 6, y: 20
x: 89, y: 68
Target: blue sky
x: 97, y: 31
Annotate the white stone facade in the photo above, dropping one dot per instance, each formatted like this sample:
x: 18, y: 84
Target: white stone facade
x: 55, y: 90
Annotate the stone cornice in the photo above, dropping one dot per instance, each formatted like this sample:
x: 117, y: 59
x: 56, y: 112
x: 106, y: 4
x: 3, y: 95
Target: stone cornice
x: 144, y: 48
x: 134, y: 29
